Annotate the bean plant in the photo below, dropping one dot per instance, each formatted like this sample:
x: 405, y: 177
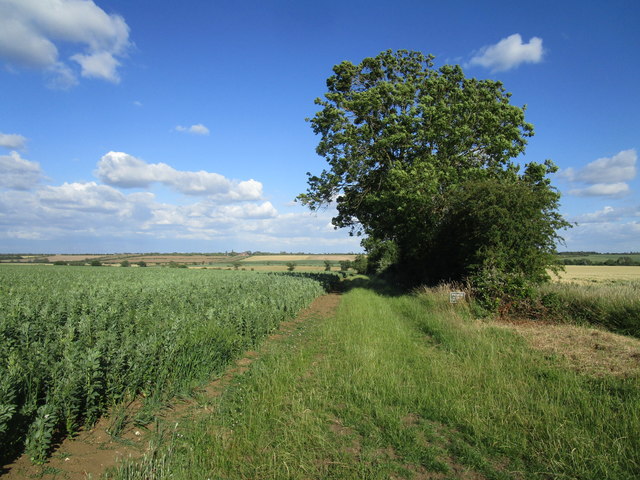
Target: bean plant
x: 76, y: 342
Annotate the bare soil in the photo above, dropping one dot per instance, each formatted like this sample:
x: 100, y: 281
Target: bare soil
x: 91, y: 452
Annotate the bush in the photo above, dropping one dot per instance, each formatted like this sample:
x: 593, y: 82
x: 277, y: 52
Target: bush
x: 345, y: 265
x: 360, y: 264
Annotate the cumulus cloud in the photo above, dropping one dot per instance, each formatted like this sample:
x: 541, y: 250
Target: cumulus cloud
x: 197, y: 129
x: 225, y: 214
x: 619, y: 168
x: 98, y: 65
x: 88, y: 197
x: 123, y: 170
x: 606, y: 176
x: 509, y: 53
x: 16, y: 173
x: 604, y: 237
x: 602, y: 190
x: 32, y: 33
x: 12, y: 140
x: 250, y: 210
x: 606, y: 214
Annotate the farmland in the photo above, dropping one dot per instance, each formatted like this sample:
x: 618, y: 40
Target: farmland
x: 389, y: 385
x: 408, y: 386
x: 597, y: 274
x: 76, y: 342
x: 245, y: 260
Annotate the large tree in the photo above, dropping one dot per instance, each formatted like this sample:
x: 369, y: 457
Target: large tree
x: 404, y: 141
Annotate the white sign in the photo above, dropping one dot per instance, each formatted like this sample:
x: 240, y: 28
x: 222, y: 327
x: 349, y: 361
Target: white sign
x: 455, y: 297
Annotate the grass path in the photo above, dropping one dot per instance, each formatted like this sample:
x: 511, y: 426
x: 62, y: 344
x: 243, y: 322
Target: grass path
x: 405, y: 387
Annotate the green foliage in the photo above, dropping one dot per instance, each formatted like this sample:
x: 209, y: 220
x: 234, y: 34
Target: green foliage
x: 142, y: 263
x: 95, y: 263
x: 408, y: 146
x: 125, y: 263
x: 291, y: 266
x: 602, y: 259
x: 381, y: 254
x: 360, y: 264
x: 345, y: 265
x: 327, y: 265
x: 75, y: 341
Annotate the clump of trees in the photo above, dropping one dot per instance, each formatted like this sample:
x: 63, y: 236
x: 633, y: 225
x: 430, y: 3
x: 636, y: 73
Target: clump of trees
x: 421, y: 164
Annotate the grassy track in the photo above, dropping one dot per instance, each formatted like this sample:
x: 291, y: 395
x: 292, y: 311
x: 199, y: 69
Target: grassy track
x: 406, y: 387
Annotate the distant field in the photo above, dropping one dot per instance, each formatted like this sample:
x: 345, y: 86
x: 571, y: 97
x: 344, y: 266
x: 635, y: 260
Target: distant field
x: 598, y: 273
x: 297, y: 258
x: 72, y: 258
x: 598, y: 258
x: 173, y: 258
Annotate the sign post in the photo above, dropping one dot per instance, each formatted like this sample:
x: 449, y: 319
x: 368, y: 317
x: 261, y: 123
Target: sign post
x: 455, y: 297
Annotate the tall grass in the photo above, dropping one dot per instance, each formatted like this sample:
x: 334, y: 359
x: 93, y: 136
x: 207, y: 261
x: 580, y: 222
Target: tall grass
x: 75, y: 342
x: 614, y: 305
x: 407, y: 387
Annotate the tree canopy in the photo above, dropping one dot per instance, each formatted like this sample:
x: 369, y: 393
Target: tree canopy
x: 421, y: 162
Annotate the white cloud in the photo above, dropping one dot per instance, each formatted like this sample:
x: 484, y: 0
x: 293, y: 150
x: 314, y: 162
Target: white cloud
x: 264, y: 210
x: 98, y: 65
x: 509, y: 53
x: 198, y: 129
x: 606, y: 176
x: 88, y: 197
x: 607, y: 214
x: 619, y: 168
x: 90, y: 215
x: 60, y: 77
x: 32, y: 33
x: 602, y: 189
x: 16, y: 173
x: 123, y: 170
x: 603, y: 237
x: 12, y: 140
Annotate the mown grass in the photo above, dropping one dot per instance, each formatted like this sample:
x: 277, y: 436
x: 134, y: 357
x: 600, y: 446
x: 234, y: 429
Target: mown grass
x: 406, y: 387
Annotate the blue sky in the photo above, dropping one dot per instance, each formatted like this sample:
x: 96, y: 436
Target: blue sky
x: 155, y: 125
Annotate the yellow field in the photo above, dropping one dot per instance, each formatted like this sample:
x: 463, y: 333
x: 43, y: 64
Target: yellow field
x: 298, y: 258
x: 72, y: 258
x: 588, y: 273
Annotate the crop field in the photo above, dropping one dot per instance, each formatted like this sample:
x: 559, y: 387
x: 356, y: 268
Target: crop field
x: 599, y: 273
x: 76, y: 342
x: 598, y: 257
x: 298, y: 258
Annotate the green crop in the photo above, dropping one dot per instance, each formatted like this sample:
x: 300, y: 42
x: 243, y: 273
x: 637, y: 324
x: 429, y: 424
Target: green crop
x: 76, y: 342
